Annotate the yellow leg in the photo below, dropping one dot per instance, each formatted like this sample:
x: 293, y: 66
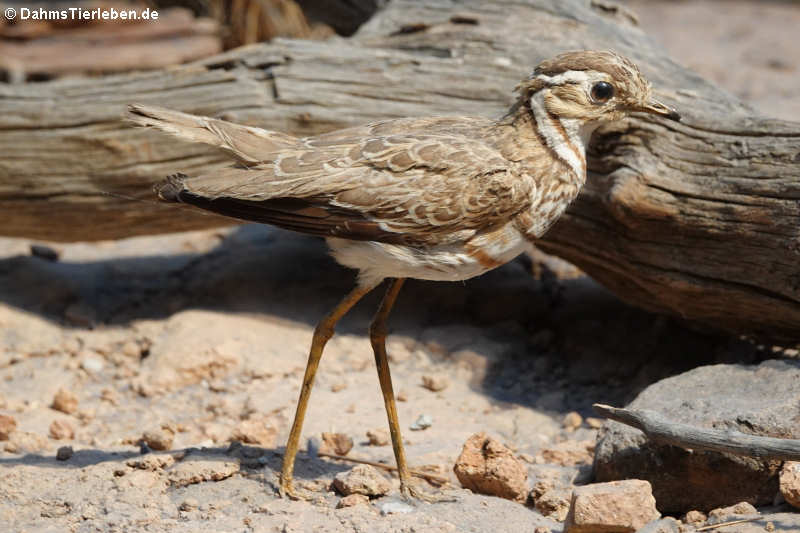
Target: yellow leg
x: 377, y: 335
x: 322, y: 333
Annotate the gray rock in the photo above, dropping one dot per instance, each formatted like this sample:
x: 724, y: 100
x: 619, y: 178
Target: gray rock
x: 395, y: 507
x: 64, y: 453
x: 760, y: 400
x: 422, y: 422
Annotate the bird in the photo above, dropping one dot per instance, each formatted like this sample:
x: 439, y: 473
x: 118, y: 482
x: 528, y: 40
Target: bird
x: 435, y: 198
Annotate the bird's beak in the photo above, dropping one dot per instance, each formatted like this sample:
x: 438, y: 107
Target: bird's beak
x: 654, y: 107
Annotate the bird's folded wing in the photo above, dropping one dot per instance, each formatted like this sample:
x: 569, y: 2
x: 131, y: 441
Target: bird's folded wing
x: 395, y: 188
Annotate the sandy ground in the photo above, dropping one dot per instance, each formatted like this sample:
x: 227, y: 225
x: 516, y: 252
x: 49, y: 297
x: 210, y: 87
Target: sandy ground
x: 201, y: 338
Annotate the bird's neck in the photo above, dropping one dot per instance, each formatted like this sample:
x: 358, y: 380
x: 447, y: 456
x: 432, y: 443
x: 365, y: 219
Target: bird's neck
x: 562, y: 141
x: 566, y: 138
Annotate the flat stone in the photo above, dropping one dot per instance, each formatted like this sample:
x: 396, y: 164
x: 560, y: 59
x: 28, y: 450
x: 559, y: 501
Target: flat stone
x: 487, y: 466
x: 740, y: 511
x: 201, y: 469
x: 759, y: 399
x: 151, y: 462
x: 616, y: 506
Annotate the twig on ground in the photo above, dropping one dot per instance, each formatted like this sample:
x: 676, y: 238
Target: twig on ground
x: 440, y: 480
x: 658, y: 429
x: 725, y: 524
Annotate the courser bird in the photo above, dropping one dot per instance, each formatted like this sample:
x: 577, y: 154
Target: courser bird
x: 439, y: 198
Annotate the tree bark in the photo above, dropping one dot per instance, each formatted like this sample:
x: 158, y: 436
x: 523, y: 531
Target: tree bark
x: 698, y: 219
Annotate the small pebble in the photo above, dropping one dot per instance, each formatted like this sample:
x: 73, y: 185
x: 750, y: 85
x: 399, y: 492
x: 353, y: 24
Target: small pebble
x: 595, y: 423
x: 402, y: 396
x: 7, y: 426
x: 131, y: 349
x: 336, y: 443
x: 159, y: 439
x: 65, y: 401
x: 259, y: 431
x: 695, y: 518
x: 352, y: 500
x: 394, y: 507
x: 61, y: 430
x: 378, y: 437
x: 64, y: 453
x: 92, y: 363
x: 435, y: 383
x: 362, y: 479
x: 45, y: 252
x: 572, y: 421
x: 72, y: 346
x: 423, y: 422
x: 189, y: 504
x: 339, y: 386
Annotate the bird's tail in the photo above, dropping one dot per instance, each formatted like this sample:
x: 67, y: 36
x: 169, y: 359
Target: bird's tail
x: 251, y: 145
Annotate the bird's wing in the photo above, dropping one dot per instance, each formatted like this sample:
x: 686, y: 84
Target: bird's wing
x: 402, y: 188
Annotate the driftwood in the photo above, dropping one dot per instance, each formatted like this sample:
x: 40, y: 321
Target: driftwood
x: 659, y: 429
x: 698, y: 219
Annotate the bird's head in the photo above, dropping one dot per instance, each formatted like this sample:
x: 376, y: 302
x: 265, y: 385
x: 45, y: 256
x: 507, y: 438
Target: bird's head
x: 591, y: 87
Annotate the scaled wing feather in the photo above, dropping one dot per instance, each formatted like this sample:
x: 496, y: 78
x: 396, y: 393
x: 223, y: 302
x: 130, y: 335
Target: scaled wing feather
x: 408, y: 188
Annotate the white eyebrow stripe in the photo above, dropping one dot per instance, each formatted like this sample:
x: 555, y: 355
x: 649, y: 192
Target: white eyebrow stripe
x: 570, y: 76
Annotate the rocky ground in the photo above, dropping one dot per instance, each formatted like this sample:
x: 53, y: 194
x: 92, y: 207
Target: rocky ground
x: 191, y: 347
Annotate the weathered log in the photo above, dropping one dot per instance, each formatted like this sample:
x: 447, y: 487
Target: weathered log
x: 698, y: 219
x: 34, y: 48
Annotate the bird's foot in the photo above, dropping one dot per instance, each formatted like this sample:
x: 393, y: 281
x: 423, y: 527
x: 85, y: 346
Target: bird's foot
x: 412, y: 490
x: 286, y: 489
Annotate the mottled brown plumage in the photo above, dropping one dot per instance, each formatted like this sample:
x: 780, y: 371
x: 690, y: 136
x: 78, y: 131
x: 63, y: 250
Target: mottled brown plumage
x: 441, y: 198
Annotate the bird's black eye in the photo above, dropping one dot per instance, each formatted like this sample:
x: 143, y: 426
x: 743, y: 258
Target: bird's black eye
x: 602, y: 92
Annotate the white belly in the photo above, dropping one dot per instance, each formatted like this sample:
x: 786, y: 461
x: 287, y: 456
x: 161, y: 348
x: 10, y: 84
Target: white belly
x: 452, y: 262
